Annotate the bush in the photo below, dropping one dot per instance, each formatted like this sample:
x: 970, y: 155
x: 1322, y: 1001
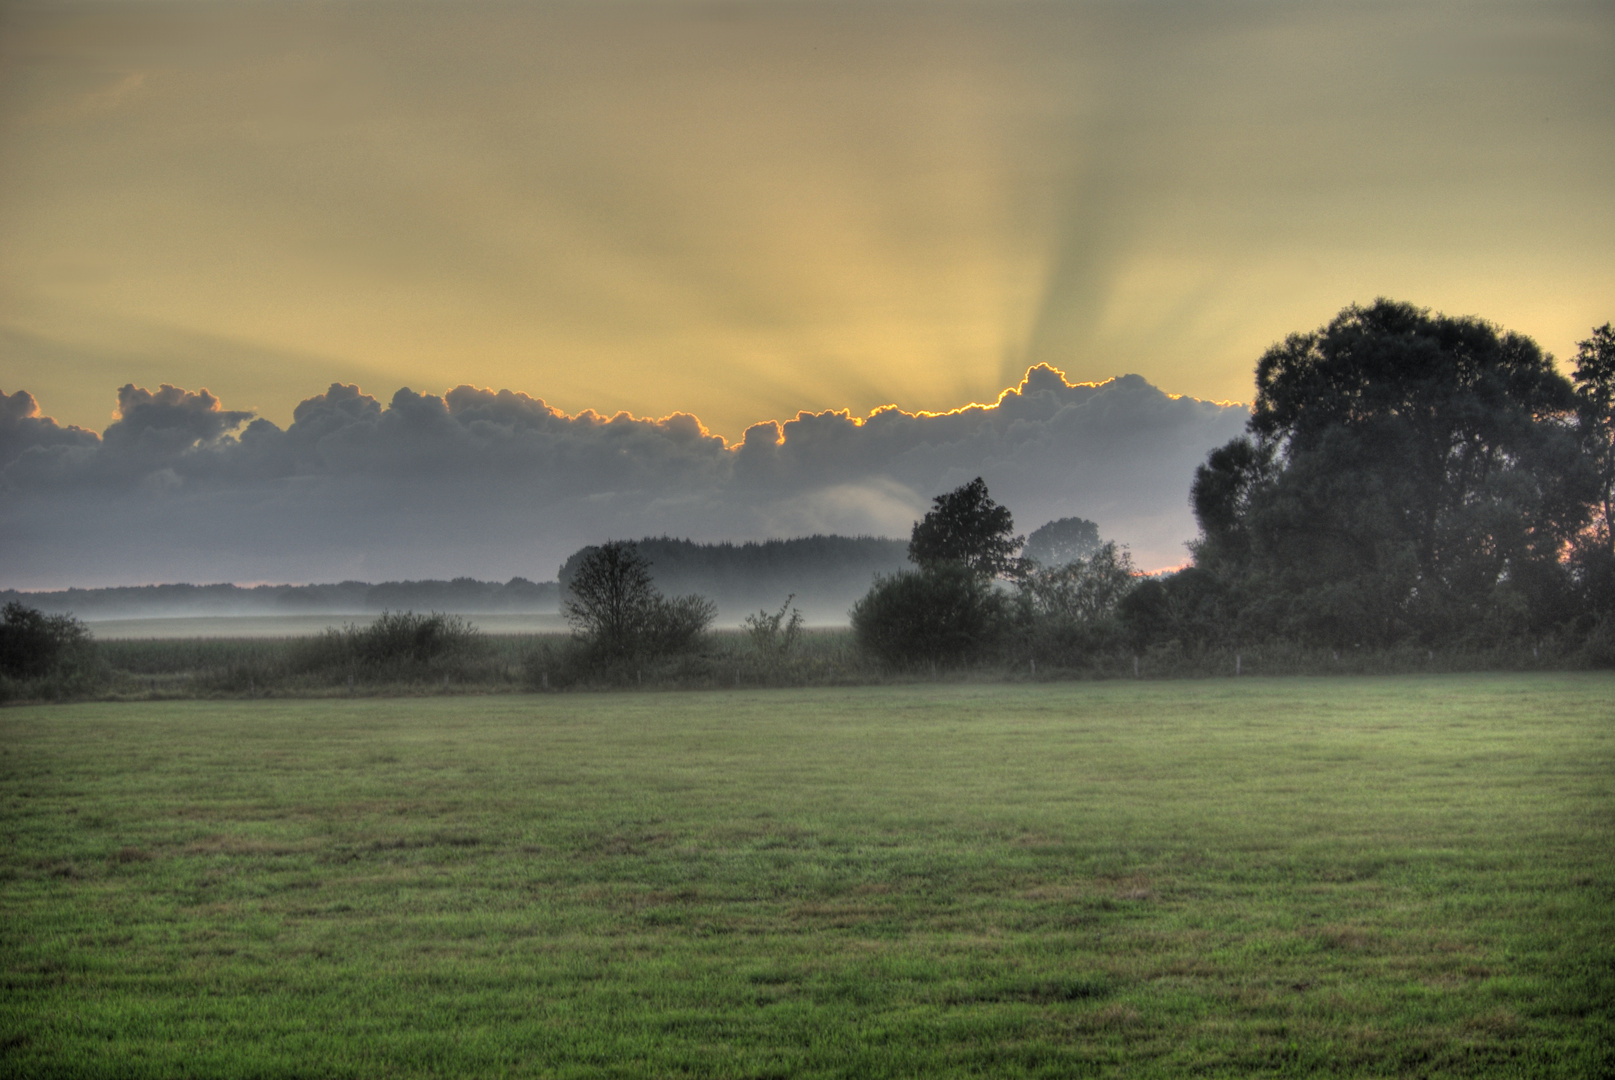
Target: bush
x: 45, y: 656
x: 1598, y: 647
x: 399, y: 643
x: 677, y: 625
x: 772, y: 633
x: 942, y: 614
x: 34, y: 645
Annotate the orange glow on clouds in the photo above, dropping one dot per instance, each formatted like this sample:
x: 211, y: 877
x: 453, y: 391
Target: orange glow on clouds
x: 741, y: 211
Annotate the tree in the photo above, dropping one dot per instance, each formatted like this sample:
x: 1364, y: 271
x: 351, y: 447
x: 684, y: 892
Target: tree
x: 1595, y: 408
x: 1082, y: 590
x: 611, y: 597
x: 1221, y: 496
x: 1063, y: 612
x: 1405, y: 473
x: 1060, y: 542
x: 1594, y: 554
x: 966, y: 527
x: 614, y: 606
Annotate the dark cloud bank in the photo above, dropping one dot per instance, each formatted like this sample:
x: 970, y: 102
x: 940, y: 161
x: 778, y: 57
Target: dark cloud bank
x: 494, y: 484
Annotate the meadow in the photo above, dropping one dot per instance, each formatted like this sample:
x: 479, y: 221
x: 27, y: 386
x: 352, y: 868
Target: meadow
x: 1409, y: 875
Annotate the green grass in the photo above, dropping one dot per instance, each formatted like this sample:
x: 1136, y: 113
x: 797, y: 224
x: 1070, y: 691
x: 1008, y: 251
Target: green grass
x: 1398, y: 876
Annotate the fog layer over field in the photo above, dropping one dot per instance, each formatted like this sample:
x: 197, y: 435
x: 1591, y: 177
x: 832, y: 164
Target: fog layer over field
x: 494, y: 484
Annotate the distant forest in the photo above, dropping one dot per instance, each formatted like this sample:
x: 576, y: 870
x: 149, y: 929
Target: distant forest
x: 461, y: 595
x: 827, y: 574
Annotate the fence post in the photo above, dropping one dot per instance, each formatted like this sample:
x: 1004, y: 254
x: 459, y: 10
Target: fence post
x: 1135, y: 667
x: 1237, y: 661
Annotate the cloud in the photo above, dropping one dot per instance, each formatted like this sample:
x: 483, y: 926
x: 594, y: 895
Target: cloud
x: 495, y: 483
x: 169, y: 421
x: 36, y: 445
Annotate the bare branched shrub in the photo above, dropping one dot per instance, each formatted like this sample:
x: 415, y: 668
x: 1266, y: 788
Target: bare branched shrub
x: 773, y: 633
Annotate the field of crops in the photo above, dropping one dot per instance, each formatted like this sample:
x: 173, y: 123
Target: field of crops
x: 1348, y: 876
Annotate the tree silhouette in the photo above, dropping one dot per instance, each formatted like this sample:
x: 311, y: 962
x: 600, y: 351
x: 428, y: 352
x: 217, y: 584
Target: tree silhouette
x: 1062, y: 541
x: 611, y: 598
x: 966, y: 527
x: 1406, y: 472
x: 615, y: 607
x: 1595, y: 406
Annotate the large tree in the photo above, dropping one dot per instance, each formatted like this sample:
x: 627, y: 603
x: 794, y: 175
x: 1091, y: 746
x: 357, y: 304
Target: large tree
x: 1404, y: 473
x: 965, y: 526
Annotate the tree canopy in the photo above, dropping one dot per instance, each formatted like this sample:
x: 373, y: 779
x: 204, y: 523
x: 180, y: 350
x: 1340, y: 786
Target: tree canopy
x: 1062, y: 541
x: 1595, y: 406
x: 1405, y: 473
x: 965, y: 526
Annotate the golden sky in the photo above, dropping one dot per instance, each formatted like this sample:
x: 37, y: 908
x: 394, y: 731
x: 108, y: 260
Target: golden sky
x: 745, y: 209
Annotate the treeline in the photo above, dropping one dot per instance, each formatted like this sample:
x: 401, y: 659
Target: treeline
x: 462, y: 595
x: 827, y: 574
x: 1409, y: 484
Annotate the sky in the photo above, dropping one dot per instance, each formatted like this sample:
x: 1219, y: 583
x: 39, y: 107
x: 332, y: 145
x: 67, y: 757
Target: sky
x: 736, y: 213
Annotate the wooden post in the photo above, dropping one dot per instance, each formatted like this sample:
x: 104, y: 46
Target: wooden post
x: 544, y: 676
x: 1135, y: 667
x: 1237, y: 660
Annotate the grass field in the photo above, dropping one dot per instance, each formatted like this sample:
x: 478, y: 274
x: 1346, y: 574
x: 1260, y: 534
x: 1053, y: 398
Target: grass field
x: 1370, y: 876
